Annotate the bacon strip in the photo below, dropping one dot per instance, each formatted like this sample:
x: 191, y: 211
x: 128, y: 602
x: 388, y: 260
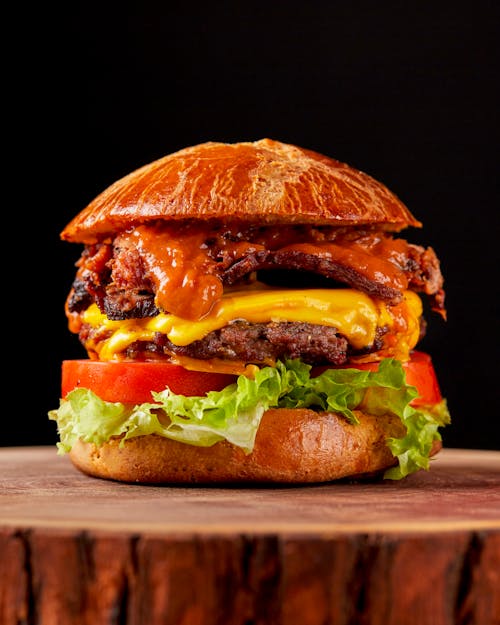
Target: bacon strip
x: 327, y: 267
x: 188, y: 266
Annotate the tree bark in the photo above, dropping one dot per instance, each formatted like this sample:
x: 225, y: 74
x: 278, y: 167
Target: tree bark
x: 79, y: 551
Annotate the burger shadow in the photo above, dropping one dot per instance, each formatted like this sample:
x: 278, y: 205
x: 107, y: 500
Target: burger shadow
x: 372, y: 479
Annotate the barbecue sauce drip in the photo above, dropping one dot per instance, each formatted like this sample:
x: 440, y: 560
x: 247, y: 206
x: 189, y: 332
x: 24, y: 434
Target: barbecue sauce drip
x: 178, y: 265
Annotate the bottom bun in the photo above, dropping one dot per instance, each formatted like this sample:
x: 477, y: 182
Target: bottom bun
x: 291, y: 446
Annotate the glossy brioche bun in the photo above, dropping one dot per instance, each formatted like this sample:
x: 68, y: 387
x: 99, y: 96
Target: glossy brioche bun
x: 292, y: 446
x: 264, y: 182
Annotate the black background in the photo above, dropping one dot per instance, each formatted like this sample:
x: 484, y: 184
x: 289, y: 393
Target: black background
x: 403, y: 91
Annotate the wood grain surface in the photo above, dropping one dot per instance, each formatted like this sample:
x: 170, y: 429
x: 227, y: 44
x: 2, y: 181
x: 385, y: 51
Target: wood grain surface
x: 80, y: 551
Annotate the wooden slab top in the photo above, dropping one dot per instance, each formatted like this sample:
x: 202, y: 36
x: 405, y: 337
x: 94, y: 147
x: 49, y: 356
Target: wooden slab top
x: 39, y: 489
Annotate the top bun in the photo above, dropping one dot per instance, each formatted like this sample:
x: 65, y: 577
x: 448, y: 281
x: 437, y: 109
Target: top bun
x: 264, y: 182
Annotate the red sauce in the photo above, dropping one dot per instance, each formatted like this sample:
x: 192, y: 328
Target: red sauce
x: 179, y: 265
x: 184, y: 261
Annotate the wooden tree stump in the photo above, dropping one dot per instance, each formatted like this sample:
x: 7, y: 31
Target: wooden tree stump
x: 81, y: 551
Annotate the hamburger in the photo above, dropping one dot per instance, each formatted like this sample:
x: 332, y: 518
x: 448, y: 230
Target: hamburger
x: 249, y: 313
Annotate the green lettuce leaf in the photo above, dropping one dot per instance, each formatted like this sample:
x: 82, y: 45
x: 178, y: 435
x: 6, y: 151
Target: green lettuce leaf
x: 234, y: 413
x: 413, y: 449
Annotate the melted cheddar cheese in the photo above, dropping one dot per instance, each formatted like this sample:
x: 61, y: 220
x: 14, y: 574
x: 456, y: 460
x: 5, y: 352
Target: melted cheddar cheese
x: 355, y: 315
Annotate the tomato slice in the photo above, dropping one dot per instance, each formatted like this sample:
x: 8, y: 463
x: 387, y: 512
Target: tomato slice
x: 419, y: 373
x: 132, y: 382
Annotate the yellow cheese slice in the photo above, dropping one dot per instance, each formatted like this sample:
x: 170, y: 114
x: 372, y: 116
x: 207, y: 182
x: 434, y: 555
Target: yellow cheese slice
x: 354, y: 314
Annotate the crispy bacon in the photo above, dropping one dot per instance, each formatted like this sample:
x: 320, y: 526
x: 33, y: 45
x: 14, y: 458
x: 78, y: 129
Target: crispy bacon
x: 124, y: 280
x: 302, y: 261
